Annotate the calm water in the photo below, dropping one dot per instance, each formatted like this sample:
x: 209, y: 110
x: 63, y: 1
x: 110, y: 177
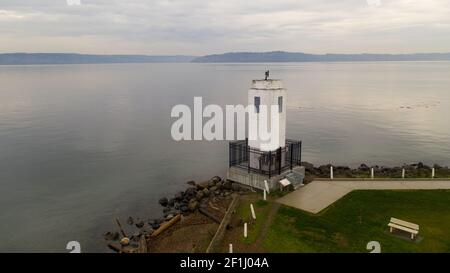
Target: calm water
x: 82, y: 144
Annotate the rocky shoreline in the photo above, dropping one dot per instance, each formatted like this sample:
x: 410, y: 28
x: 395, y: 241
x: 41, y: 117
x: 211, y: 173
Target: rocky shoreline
x: 198, y: 197
x: 415, y: 170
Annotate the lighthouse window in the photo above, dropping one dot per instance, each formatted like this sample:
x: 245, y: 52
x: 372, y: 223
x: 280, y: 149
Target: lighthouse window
x: 257, y: 103
x: 280, y: 104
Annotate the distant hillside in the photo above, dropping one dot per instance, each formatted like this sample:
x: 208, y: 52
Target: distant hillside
x: 68, y: 58
x: 235, y: 57
x: 280, y: 56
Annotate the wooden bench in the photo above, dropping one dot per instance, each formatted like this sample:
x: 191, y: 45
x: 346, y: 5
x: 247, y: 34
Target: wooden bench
x: 405, y: 226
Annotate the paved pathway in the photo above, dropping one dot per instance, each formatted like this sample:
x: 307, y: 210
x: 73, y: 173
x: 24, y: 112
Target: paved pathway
x: 318, y: 195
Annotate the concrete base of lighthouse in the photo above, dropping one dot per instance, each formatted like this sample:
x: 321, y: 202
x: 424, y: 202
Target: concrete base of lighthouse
x: 256, y: 180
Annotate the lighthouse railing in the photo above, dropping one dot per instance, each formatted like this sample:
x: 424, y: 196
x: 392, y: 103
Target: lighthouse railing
x: 241, y: 155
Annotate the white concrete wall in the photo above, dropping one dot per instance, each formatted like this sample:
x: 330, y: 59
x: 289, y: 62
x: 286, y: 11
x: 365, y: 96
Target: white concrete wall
x: 268, y: 91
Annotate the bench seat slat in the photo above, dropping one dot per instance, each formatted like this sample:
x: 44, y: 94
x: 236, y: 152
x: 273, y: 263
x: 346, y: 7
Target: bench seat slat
x: 413, y: 231
x: 404, y: 223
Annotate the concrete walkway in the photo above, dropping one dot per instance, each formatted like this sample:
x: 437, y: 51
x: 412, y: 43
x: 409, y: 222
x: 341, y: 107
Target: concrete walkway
x: 318, y: 195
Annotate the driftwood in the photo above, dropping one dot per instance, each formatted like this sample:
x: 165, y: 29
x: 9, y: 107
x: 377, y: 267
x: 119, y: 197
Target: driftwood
x: 120, y: 228
x: 166, y: 225
x: 142, y: 245
x: 210, y: 215
x: 115, y: 247
x: 212, y: 206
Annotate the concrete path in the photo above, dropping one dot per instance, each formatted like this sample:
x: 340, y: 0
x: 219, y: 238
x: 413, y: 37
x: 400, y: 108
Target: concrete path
x: 318, y: 195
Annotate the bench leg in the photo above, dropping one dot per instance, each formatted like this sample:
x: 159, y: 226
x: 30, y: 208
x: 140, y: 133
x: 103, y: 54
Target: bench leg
x: 391, y: 229
x: 412, y: 236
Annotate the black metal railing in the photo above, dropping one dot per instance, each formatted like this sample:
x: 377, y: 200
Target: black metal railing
x: 267, y: 163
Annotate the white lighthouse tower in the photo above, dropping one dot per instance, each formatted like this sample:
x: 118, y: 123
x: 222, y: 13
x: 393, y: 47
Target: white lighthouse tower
x: 264, y: 94
x: 258, y: 160
x: 268, y: 93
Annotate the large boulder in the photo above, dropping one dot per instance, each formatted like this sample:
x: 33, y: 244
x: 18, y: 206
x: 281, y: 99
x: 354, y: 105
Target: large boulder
x: 191, y: 192
x: 164, y: 201
x: 140, y: 224
x: 203, y: 185
x: 364, y: 168
x: 216, y: 179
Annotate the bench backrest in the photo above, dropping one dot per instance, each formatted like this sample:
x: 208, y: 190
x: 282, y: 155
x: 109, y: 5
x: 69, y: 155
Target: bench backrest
x: 404, y: 223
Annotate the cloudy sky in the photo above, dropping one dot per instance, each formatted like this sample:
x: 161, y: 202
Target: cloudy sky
x: 200, y: 27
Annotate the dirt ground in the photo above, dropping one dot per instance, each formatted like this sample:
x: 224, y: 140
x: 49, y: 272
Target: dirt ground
x: 192, y: 234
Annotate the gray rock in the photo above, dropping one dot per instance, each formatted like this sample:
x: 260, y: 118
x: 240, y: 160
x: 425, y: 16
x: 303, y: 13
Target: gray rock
x: 136, y: 237
x: 184, y: 209
x: 191, y: 192
x: 111, y: 236
x: 216, y: 179
x: 140, y: 224
x: 205, y: 192
x: 203, y: 185
x: 179, y: 196
x: 364, y: 168
x: 130, y: 221
x: 147, y: 231
x: 227, y: 185
x: 164, y: 202
x: 200, y: 195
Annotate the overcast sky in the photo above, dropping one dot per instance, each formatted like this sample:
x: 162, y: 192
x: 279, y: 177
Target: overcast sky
x: 201, y: 27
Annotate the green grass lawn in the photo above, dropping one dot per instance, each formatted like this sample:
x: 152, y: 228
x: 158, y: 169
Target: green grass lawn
x: 254, y: 228
x: 361, y: 217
